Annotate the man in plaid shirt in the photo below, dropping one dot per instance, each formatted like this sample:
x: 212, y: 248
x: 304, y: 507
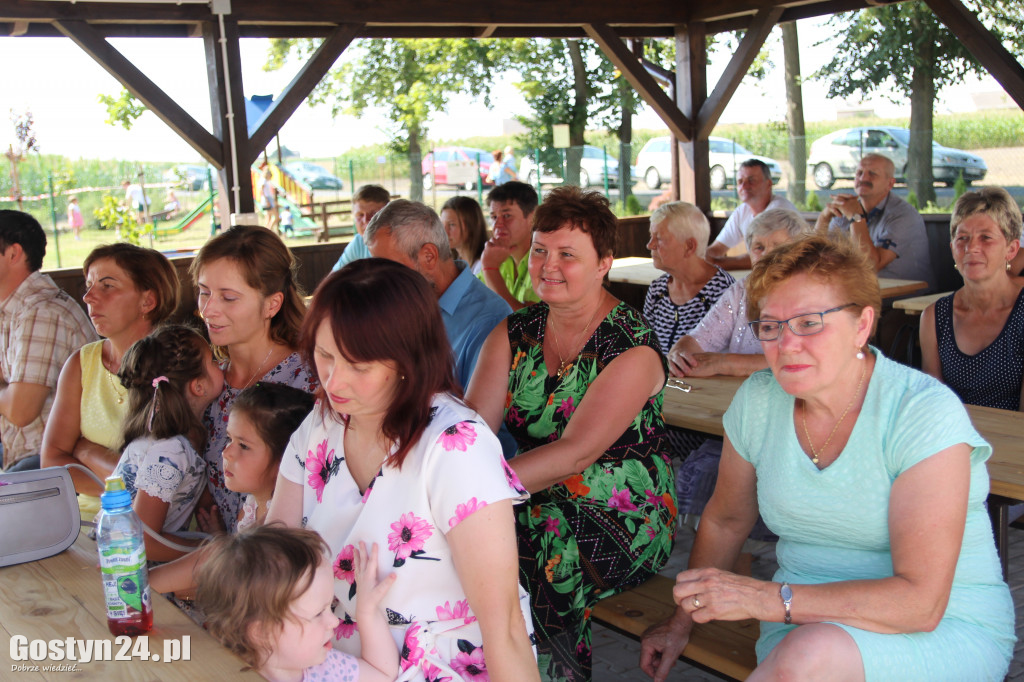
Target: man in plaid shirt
x: 40, y: 326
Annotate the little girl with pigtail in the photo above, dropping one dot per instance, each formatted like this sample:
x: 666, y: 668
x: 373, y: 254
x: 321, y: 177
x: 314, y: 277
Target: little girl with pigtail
x: 171, y: 379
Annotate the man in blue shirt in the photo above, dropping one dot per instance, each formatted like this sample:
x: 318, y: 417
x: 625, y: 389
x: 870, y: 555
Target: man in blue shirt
x: 365, y: 204
x: 411, y: 233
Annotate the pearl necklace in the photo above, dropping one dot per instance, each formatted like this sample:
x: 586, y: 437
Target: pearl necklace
x: 807, y: 433
x: 564, y: 365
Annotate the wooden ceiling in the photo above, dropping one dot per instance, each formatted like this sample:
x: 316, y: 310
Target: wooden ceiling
x: 408, y: 18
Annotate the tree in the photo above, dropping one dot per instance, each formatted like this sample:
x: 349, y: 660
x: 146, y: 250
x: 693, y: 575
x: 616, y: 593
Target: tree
x: 124, y: 109
x: 904, y: 46
x: 797, y: 186
x: 409, y: 79
x: 16, y: 152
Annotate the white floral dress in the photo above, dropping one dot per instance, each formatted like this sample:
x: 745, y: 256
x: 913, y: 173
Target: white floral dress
x: 455, y: 469
x: 170, y: 470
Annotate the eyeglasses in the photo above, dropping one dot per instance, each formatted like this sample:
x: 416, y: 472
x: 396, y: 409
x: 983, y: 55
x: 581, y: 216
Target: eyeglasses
x: 807, y: 324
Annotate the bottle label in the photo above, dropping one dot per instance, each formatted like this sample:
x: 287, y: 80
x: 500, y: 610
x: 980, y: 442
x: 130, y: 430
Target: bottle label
x: 125, y: 583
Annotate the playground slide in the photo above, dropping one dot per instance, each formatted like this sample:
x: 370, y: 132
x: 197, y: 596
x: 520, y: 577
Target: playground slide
x: 300, y: 223
x: 189, y: 220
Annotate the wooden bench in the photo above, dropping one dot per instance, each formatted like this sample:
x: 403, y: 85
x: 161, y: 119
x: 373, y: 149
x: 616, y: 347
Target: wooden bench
x: 724, y: 648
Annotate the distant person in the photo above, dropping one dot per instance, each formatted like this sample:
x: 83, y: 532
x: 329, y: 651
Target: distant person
x: 464, y: 222
x: 40, y: 327
x: 135, y: 197
x: 268, y: 192
x: 754, y: 186
x: 505, y: 268
x: 410, y: 233
x: 888, y: 229
x: 495, y: 168
x: 287, y: 221
x: 507, y: 171
x: 365, y: 204
x: 171, y: 206
x: 75, y: 217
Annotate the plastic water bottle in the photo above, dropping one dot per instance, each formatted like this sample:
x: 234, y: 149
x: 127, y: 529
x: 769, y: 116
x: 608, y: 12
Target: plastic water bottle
x: 123, y: 562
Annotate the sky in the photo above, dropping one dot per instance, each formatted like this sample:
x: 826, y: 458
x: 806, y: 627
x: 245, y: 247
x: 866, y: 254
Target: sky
x: 60, y: 84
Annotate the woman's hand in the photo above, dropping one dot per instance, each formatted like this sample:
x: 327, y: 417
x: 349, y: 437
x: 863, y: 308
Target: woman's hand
x: 662, y: 644
x: 209, y: 521
x: 708, y: 594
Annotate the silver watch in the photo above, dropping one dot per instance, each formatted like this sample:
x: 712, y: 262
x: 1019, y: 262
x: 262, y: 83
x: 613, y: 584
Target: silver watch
x: 786, y: 593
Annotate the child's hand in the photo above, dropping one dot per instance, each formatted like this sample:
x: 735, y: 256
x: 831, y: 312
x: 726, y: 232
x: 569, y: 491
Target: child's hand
x: 369, y: 592
x: 209, y: 520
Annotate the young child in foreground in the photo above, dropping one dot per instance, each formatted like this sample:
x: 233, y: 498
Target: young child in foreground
x: 267, y: 593
x: 260, y: 423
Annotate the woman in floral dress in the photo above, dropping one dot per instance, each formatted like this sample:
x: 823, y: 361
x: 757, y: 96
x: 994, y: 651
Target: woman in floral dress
x: 578, y: 381
x: 253, y: 312
x: 390, y: 456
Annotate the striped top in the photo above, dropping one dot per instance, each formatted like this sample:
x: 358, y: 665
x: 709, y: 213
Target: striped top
x: 671, y: 321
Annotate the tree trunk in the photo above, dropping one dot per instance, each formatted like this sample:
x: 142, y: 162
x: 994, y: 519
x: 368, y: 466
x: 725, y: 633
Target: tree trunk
x: 578, y: 115
x: 415, y: 164
x: 625, y: 140
x: 922, y: 97
x: 796, y: 189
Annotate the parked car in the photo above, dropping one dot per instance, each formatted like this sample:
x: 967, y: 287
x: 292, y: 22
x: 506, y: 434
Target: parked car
x: 724, y: 157
x: 592, y: 167
x: 313, y: 175
x: 187, y: 176
x: 835, y: 156
x: 464, y: 171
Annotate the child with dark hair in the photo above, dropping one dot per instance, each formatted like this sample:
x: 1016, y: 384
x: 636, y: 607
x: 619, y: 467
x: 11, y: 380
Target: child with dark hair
x: 171, y: 378
x: 267, y: 595
x: 261, y: 421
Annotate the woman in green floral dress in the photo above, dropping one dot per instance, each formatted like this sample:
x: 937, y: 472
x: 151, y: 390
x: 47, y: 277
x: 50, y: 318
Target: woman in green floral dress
x: 578, y: 380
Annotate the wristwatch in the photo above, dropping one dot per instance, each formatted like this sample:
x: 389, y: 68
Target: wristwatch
x: 786, y: 593
x: 856, y: 217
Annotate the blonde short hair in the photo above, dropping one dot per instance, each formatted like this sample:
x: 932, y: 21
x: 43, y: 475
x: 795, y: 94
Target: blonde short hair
x: 996, y: 203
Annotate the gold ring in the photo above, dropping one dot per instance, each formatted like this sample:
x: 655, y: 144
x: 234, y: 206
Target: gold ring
x: 696, y: 602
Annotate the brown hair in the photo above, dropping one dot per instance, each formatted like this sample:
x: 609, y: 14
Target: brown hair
x: 148, y: 269
x: 994, y: 202
x: 375, y: 194
x: 174, y: 352
x: 580, y: 209
x: 267, y: 266
x: 472, y: 217
x: 379, y: 310
x: 253, y: 577
x: 275, y: 411
x: 832, y: 259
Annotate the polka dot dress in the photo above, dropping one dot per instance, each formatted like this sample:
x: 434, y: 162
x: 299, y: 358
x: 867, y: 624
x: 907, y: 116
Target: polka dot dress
x: 992, y: 377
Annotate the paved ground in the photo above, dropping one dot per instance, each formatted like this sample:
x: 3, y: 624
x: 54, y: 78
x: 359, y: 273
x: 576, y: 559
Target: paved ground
x: 616, y: 657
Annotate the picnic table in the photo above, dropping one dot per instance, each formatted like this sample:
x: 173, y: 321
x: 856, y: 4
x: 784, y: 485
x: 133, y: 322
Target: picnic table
x: 61, y: 597
x: 702, y: 407
x: 641, y: 271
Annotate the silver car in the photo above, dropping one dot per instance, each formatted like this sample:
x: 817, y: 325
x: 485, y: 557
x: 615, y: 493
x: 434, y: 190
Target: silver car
x: 835, y: 156
x: 592, y: 169
x: 725, y: 157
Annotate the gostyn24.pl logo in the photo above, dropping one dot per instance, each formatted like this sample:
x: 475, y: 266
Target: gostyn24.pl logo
x: 71, y: 651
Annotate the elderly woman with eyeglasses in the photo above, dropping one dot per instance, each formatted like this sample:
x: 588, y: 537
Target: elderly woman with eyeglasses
x: 874, y: 479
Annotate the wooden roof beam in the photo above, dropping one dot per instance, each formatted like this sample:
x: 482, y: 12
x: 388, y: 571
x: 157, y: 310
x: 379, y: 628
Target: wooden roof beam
x: 148, y: 92
x: 763, y: 23
x: 620, y: 55
x: 1003, y: 66
x: 300, y: 87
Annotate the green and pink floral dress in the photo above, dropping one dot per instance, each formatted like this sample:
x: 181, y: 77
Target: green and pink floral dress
x: 603, y: 530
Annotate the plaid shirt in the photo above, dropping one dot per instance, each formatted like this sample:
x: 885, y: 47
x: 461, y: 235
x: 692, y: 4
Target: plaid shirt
x: 40, y: 326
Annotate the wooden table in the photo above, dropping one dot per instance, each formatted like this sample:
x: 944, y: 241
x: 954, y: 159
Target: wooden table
x: 917, y: 304
x: 641, y: 271
x: 702, y: 408
x: 62, y: 597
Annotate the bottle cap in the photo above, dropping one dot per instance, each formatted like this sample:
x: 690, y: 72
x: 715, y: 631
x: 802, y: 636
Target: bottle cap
x: 115, y: 495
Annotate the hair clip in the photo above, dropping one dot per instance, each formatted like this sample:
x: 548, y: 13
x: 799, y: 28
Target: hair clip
x: 156, y: 400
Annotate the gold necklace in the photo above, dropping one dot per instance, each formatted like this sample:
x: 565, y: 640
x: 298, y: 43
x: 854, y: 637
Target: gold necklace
x: 565, y: 365
x: 807, y: 433
x: 258, y: 368
x: 113, y: 384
